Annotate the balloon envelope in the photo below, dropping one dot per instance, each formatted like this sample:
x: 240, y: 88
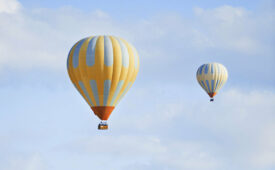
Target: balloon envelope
x: 212, y: 77
x: 102, y: 68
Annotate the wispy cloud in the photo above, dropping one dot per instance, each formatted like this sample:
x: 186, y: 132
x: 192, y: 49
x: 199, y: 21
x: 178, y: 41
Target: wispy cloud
x: 166, y: 121
x: 9, y: 6
x: 233, y: 132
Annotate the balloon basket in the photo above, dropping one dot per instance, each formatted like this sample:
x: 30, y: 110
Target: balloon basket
x: 102, y: 126
x: 211, y: 100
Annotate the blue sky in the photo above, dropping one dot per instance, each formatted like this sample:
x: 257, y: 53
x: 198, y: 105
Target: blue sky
x: 165, y: 121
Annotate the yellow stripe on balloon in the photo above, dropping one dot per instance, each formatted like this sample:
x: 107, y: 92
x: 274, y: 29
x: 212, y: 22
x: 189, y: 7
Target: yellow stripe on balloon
x: 75, y: 74
x: 117, y: 65
x: 130, y: 70
x: 99, y: 68
x: 83, y: 68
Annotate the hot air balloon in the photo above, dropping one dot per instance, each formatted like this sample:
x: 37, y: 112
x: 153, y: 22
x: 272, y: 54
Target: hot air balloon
x: 212, y: 77
x: 102, y: 69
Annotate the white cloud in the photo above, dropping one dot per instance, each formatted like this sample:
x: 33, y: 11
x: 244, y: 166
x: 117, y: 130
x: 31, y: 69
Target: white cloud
x: 225, y: 14
x: 243, y: 121
x: 161, y: 126
x: 234, y: 132
x: 24, y: 162
x: 127, y: 151
x: 265, y: 154
x: 235, y: 28
x: 41, y: 38
x: 9, y: 6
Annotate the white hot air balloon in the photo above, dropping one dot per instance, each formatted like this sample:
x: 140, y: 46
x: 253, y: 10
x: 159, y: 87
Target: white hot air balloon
x: 212, y: 77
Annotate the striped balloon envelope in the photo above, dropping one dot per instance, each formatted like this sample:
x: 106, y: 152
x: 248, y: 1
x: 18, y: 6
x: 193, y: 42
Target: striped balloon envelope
x: 103, y: 68
x: 212, y: 77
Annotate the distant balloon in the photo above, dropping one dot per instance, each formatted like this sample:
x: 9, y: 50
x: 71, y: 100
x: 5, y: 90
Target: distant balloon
x: 103, y: 68
x: 212, y: 77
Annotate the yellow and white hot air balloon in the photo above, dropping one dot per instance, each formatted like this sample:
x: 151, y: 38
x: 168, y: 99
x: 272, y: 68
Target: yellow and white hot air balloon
x: 212, y: 77
x: 103, y: 68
